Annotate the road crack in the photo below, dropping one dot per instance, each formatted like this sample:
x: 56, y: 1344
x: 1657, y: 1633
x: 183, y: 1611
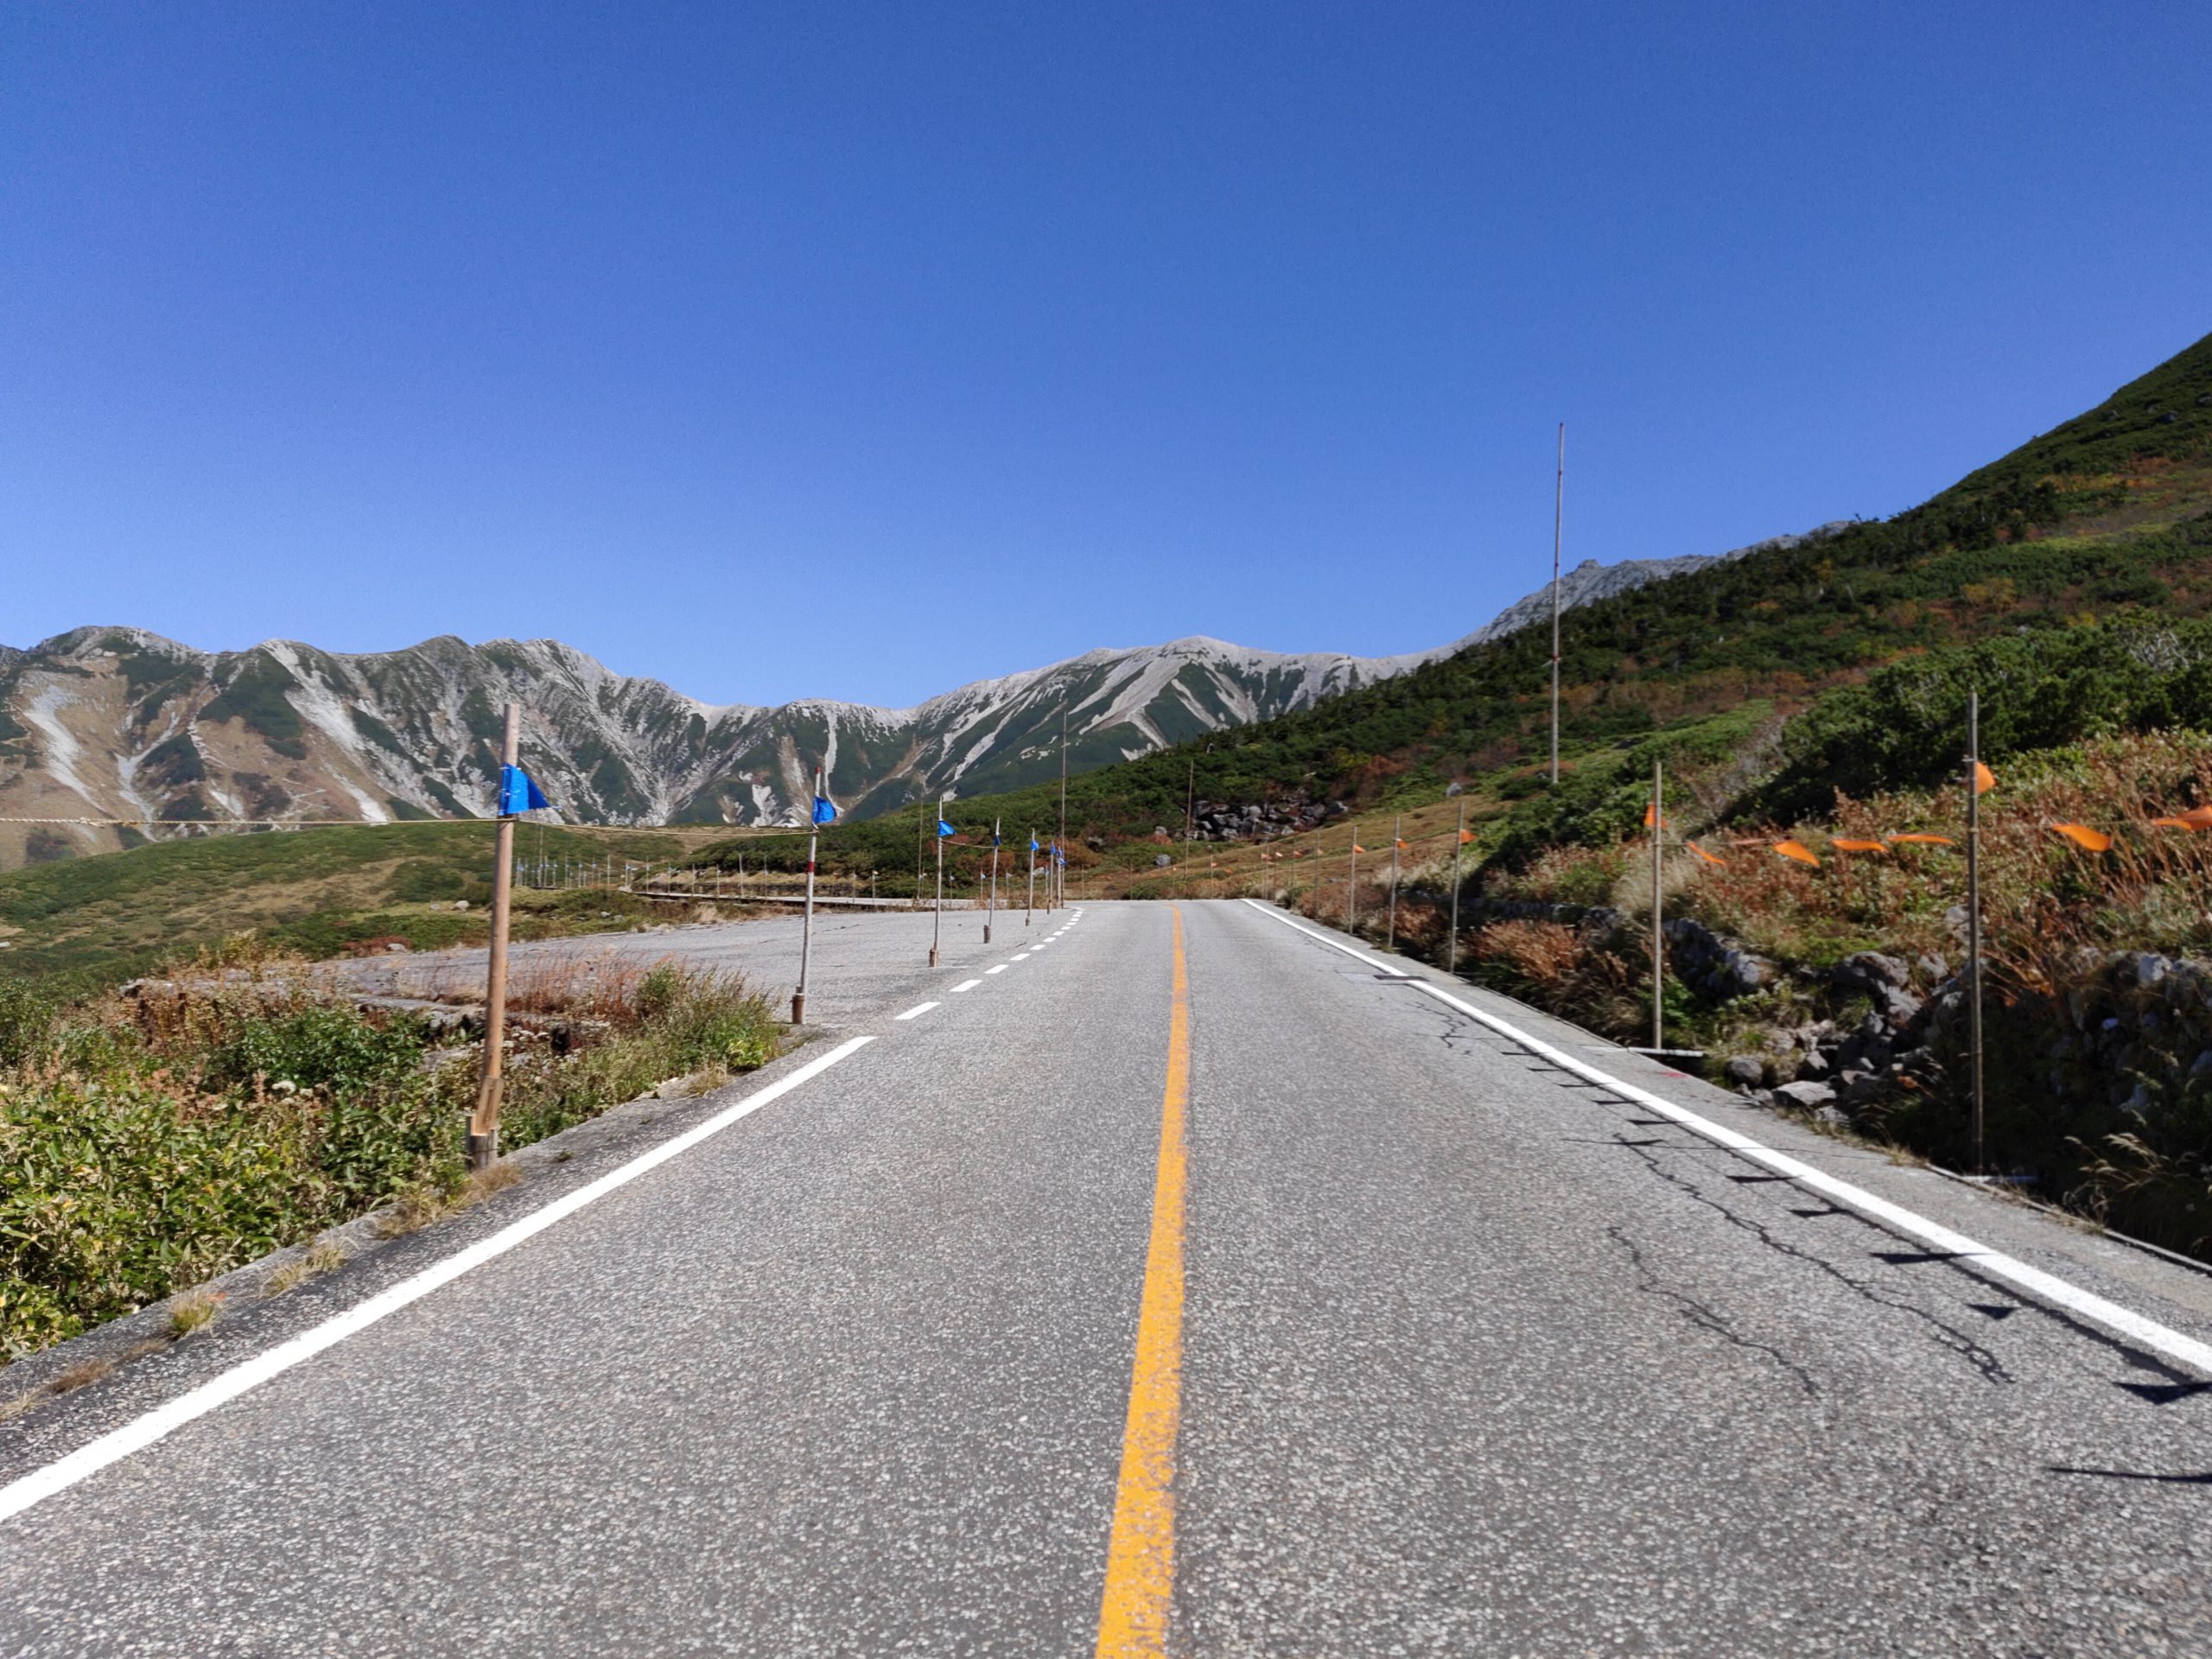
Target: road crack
x: 1705, y: 1317
x: 1944, y: 1334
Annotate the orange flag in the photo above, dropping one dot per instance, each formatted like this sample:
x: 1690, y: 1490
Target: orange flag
x: 1984, y: 778
x: 2081, y: 834
x: 1466, y: 836
x: 1702, y: 854
x: 1405, y: 846
x: 1858, y: 846
x: 2198, y: 817
x: 1356, y: 847
x: 1931, y: 841
x: 1651, y: 814
x: 1798, y: 850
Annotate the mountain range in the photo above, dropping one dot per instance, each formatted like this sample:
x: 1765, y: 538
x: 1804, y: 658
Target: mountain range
x: 117, y: 723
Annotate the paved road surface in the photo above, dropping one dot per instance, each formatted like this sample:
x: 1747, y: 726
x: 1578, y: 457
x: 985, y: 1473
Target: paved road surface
x: 866, y: 959
x: 1475, y: 1358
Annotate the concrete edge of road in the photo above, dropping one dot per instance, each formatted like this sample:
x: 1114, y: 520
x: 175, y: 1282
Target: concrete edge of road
x: 2154, y: 1342
x: 134, y: 1358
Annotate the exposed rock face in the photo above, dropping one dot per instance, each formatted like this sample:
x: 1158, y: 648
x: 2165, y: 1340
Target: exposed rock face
x: 1590, y: 581
x: 116, y: 723
x: 119, y: 723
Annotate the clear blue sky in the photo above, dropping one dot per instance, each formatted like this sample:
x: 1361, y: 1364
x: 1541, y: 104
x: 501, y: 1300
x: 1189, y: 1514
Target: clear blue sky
x: 863, y: 350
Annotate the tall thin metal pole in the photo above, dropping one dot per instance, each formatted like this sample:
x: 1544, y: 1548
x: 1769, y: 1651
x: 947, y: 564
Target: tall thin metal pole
x: 1029, y: 904
x: 917, y: 854
x: 991, y: 912
x: 484, y: 1122
x: 1658, y: 909
x: 1390, y: 933
x: 1973, y: 910
x: 937, y: 920
x: 1458, y: 842
x: 1190, y: 801
x: 1558, y: 517
x: 806, y: 931
x: 1060, y: 857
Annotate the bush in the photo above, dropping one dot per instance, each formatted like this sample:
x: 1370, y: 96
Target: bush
x: 26, y: 1021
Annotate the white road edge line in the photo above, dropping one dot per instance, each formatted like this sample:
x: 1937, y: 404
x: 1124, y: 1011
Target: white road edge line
x: 915, y: 1011
x: 90, y: 1459
x: 2159, y: 1339
x: 966, y: 985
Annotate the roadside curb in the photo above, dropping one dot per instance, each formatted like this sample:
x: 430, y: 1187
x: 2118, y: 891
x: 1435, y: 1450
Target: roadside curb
x: 576, y: 1154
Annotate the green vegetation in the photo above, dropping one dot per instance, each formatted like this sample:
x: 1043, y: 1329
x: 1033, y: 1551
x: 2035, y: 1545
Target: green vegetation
x: 93, y: 921
x: 155, y: 1143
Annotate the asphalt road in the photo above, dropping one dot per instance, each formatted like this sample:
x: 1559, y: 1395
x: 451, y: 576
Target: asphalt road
x: 1476, y: 1356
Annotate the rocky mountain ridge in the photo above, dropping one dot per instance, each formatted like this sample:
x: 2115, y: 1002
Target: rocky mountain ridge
x: 120, y: 724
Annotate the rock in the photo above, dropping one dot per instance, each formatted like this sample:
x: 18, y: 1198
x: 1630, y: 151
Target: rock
x: 1866, y: 969
x: 2151, y: 968
x: 1832, y: 1117
x: 1745, y: 1071
x: 2201, y: 1065
x: 2139, y: 1103
x: 1899, y: 1008
x: 1805, y: 1096
x: 1933, y: 970
x: 1815, y: 1065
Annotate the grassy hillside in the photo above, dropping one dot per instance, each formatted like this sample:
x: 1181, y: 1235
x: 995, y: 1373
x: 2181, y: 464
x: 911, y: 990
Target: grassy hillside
x: 314, y: 890
x: 2100, y: 521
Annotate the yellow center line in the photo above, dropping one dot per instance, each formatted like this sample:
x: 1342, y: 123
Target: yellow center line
x: 1140, y: 1555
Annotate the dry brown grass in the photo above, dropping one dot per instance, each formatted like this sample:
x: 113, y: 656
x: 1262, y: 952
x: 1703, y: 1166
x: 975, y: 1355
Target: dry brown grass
x: 2044, y: 900
x: 326, y: 1256
x: 289, y: 1277
x: 82, y: 1375
x: 194, y: 1310
x: 418, y: 1207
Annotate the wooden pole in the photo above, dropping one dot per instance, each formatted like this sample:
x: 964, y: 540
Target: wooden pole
x: 484, y: 1123
x: 937, y: 919
x: 1974, y: 913
x: 807, y: 928
x: 1458, y: 842
x: 991, y: 910
x: 1390, y: 933
x: 1351, y: 883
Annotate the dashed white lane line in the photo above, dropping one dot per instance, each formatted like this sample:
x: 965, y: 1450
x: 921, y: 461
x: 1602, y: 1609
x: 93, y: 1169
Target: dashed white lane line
x: 966, y: 985
x: 917, y: 1009
x: 1023, y: 955
x: 999, y: 970
x: 90, y: 1459
x: 2159, y: 1339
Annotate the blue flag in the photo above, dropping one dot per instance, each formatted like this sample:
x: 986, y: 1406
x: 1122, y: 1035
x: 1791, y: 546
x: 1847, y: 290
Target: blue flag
x: 825, y: 810
x: 945, y: 829
x: 1032, y: 844
x: 518, y: 792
